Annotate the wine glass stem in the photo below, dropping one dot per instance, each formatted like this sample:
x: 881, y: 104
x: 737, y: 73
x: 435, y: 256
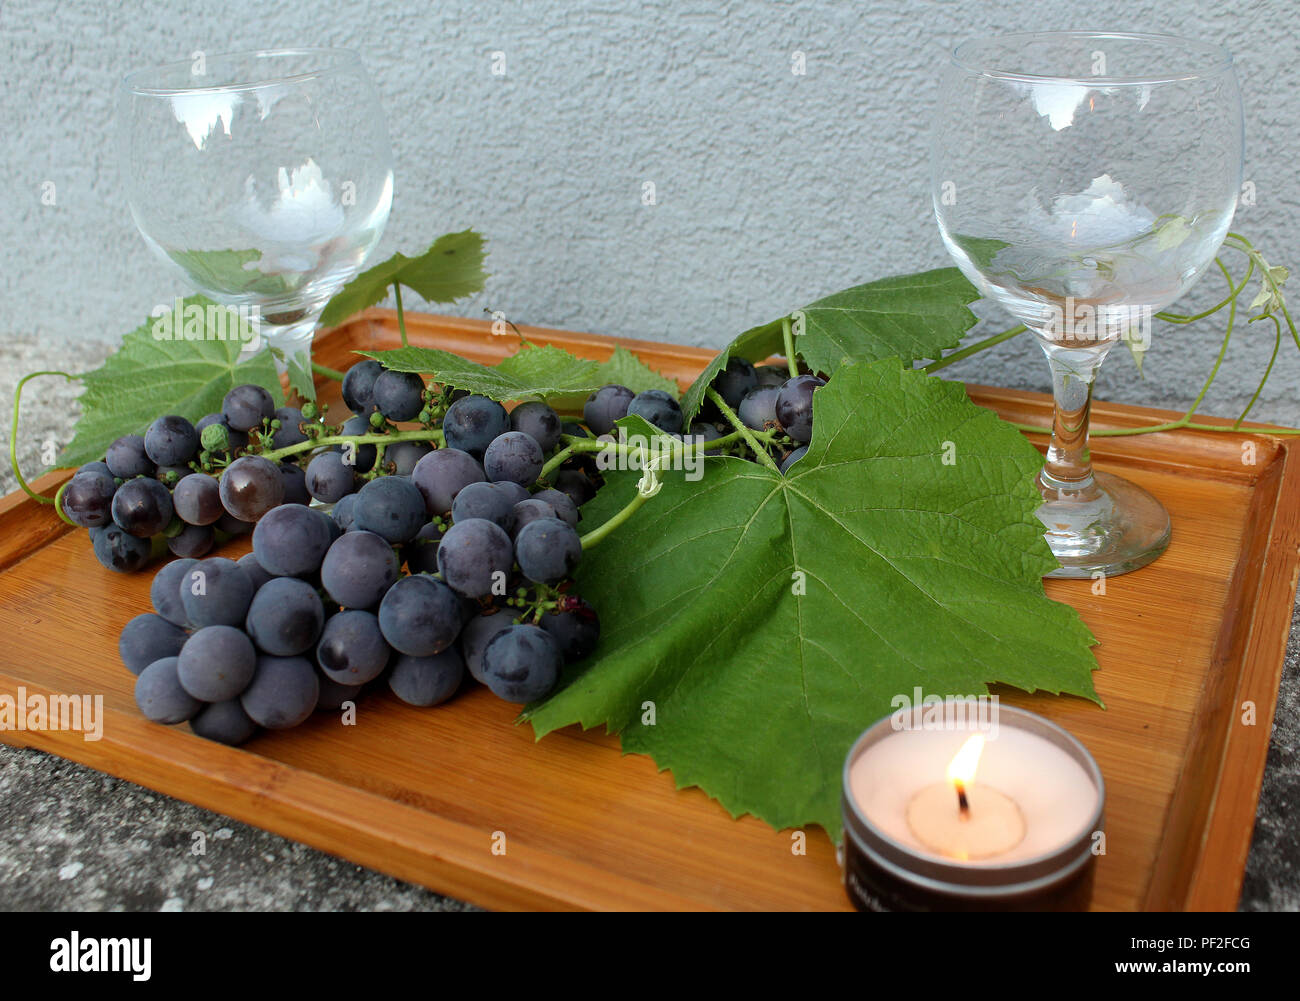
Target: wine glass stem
x: 290, y: 333
x: 1068, y: 466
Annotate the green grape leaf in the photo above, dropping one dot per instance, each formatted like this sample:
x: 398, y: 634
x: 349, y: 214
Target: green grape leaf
x: 754, y: 344
x: 530, y: 372
x: 624, y: 369
x: 450, y: 269
x: 298, y: 368
x: 187, y: 372
x: 771, y: 619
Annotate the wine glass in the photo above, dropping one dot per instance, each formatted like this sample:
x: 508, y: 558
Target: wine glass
x: 1084, y: 181
x: 263, y: 179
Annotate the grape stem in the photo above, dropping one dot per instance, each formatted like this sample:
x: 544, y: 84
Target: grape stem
x: 744, y: 432
x: 647, y: 487
x: 575, y: 445
x: 13, y: 439
x: 325, y: 370
x: 975, y: 348
x: 787, y: 335
x: 422, y: 434
x: 401, y: 315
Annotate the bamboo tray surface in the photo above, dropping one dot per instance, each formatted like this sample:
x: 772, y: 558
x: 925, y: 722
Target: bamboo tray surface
x: 425, y: 795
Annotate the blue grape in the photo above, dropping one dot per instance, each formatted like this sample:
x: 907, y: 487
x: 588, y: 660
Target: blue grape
x: 329, y: 478
x: 401, y: 456
x: 476, y: 635
x: 225, y: 723
x: 118, y: 550
x: 286, y: 617
x: 734, y: 381
x: 291, y: 540
x: 257, y: 573
x: 295, y: 484
x: 332, y: 694
x: 127, y: 459
x: 216, y: 663
x: 88, y: 498
x: 169, y: 476
x: 442, y: 474
x: 231, y: 525
x: 147, y: 638
x: 399, y: 395
x: 420, y: 616
x: 192, y: 541
x: 576, y: 485
x: 605, y: 406
x: 161, y: 698
x: 530, y: 510
x: 216, y: 592
x: 658, y: 408
x: 794, y: 406
x: 471, y: 424
x: 422, y: 552
x: 565, y: 509
x: 514, y: 491
x: 171, y: 441
x: 793, y: 457
x: 343, y: 513
x: 359, y: 386
x: 251, y: 486
x: 290, y: 430
x: 246, y: 406
x: 757, y: 411
x: 539, y: 421
x: 358, y: 569
x: 703, y: 432
x: 283, y: 692
x: 427, y: 681
x: 547, y: 550
x: 574, y: 626
x: 352, y: 649
x: 514, y: 457
x: 165, y: 591
x: 197, y: 500
x: 142, y: 507
x: 475, y: 558
x: 391, y: 507
x: 771, y: 375
x: 97, y: 466
x: 360, y: 458
x: 484, y: 500
x: 521, y: 664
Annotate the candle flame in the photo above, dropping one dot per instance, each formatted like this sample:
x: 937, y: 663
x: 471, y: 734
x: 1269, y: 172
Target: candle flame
x: 961, y: 770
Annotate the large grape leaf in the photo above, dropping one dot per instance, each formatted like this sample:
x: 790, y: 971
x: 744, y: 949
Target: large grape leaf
x: 623, y: 368
x: 531, y: 371
x: 916, y: 571
x: 147, y: 377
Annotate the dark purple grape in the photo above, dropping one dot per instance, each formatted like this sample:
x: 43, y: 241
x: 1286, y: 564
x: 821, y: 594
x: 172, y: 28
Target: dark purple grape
x: 484, y: 500
x: 171, y: 441
x: 575, y: 627
x: 399, y: 395
x: 605, y: 406
x: 359, y: 569
x: 521, y: 664
x: 793, y: 457
x: 514, y: 457
x: 401, y: 456
x: 216, y: 663
x: 285, y: 617
x: 283, y: 693
x: 704, y: 432
x: 576, y: 485
x: 757, y: 411
x: 471, y: 424
x: 794, y: 406
x: 216, y: 592
x: 420, y: 615
x: 771, y: 375
x: 427, y: 681
x: 251, y: 486
x: 161, y: 698
x: 352, y: 649
x: 391, y: 507
x: 127, y: 459
x: 547, y: 550
x: 475, y: 558
x: 233, y: 441
x: 734, y: 381
x: 530, y: 510
x: 88, y: 499
x: 192, y: 541
x: 231, y: 525
x: 361, y: 458
x: 290, y: 430
x: 476, y: 635
x: 119, y: 550
x: 565, y: 509
x: 225, y: 723
x: 147, y: 638
x: 538, y: 421
x: 295, y: 484
x: 169, y: 476
x: 291, y: 540
x: 658, y: 408
x: 97, y: 466
x: 165, y: 591
x: 257, y: 573
x: 422, y: 552
x: 329, y: 478
x: 441, y: 474
x: 359, y: 386
x: 333, y: 695
x: 514, y: 491
x: 246, y: 406
x: 142, y: 507
x: 343, y: 513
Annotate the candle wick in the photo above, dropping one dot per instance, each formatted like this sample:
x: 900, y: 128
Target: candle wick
x: 963, y: 804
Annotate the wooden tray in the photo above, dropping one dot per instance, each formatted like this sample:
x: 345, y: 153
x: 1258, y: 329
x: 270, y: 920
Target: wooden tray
x: 422, y: 794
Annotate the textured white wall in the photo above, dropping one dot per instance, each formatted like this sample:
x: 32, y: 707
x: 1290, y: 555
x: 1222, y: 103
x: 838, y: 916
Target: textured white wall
x: 773, y: 189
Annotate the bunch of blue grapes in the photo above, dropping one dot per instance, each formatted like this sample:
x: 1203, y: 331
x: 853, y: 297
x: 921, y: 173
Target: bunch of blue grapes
x: 397, y: 565
x: 767, y: 398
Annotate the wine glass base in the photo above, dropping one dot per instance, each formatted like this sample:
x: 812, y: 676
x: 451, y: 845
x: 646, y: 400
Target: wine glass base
x: 1115, y: 528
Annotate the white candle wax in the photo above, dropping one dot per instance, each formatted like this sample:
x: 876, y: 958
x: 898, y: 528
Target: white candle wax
x: 1055, y: 795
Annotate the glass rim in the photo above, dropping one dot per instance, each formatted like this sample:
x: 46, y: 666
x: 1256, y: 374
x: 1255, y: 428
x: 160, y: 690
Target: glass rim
x: 333, y: 60
x: 1212, y: 59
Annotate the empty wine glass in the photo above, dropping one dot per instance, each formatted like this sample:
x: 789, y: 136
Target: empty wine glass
x: 263, y: 179
x: 1085, y: 181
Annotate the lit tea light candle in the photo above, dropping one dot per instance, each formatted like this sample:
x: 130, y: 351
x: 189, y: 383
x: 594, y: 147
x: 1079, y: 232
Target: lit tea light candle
x: 946, y: 814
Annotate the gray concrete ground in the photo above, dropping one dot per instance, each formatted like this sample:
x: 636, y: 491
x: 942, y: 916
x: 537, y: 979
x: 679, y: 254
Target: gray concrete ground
x: 73, y: 838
